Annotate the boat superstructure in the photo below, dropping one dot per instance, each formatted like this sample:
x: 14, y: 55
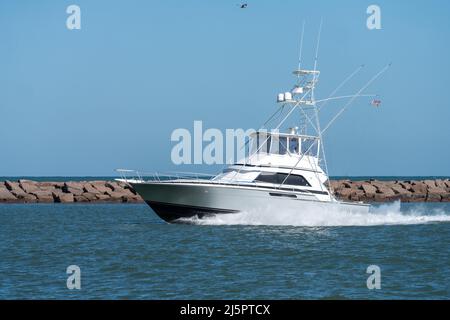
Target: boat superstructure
x: 284, y: 167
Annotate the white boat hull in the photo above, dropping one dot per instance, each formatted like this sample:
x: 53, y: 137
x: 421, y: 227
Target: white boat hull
x: 172, y: 201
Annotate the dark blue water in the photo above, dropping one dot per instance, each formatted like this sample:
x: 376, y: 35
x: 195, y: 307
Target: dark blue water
x: 125, y: 251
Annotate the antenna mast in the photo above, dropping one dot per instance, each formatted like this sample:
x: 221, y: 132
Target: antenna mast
x: 300, y: 52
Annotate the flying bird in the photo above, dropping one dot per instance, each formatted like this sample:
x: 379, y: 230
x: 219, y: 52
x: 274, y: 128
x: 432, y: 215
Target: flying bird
x: 243, y: 5
x: 376, y: 102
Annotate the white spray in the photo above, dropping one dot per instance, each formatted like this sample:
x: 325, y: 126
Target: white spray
x: 387, y: 214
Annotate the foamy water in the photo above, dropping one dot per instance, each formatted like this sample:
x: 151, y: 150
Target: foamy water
x: 386, y: 214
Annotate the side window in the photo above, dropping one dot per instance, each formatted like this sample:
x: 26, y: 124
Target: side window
x: 263, y: 142
x: 278, y: 178
x: 268, y: 177
x: 309, y: 147
x: 297, y: 181
x: 283, y: 145
x: 293, y: 145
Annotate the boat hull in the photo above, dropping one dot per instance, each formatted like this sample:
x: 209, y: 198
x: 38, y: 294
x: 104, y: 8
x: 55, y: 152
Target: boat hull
x: 172, y: 212
x: 176, y: 202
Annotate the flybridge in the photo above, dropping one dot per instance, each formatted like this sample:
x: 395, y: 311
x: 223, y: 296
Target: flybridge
x: 290, y: 143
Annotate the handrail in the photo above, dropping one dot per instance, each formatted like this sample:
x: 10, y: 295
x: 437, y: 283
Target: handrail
x: 136, y: 175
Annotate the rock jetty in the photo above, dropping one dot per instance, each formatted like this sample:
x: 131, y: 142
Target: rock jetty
x: 437, y: 190
x: 28, y: 191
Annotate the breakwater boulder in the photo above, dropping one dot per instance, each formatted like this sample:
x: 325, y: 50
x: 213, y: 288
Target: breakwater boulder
x: 28, y: 191
x: 384, y: 191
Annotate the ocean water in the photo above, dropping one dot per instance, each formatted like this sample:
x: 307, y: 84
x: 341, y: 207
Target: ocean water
x: 125, y: 251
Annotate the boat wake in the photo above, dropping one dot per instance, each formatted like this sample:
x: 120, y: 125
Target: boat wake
x: 387, y: 214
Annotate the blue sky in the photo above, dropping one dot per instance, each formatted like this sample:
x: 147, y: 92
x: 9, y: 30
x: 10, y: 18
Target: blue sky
x: 85, y: 102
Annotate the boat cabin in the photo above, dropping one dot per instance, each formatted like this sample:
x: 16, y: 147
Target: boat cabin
x: 276, y: 158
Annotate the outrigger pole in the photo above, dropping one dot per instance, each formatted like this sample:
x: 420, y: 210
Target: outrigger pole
x: 383, y: 70
x: 331, y: 96
x: 347, y: 96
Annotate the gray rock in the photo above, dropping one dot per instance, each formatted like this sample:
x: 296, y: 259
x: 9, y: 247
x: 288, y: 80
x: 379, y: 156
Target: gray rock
x: 398, y: 189
x: 43, y: 196
x: 357, y: 195
x: 386, y: 192
x: 336, y: 185
x: 100, y: 186
x: 14, y: 187
x: 405, y: 185
x: 25, y: 197
x: 347, y: 184
x: 114, y: 186
x: 419, y: 187
x: 369, y: 189
x: 89, y: 188
x: 28, y: 186
x: 435, y: 194
x: 103, y: 197
x: 63, y: 197
x: 447, y: 183
x: 6, y: 195
x: 430, y: 183
x: 80, y: 198
x: 90, y: 196
x: 19, y: 193
x: 445, y: 197
x: 76, y: 188
x: 440, y: 184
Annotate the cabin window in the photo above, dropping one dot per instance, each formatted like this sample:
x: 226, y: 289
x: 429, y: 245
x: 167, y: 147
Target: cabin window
x: 274, y: 144
x: 283, y: 145
x: 247, y: 147
x: 310, y: 147
x: 293, y: 145
x: 263, y: 142
x: 278, y: 178
x: 254, y: 144
x: 269, y: 144
x: 260, y: 143
x: 297, y: 180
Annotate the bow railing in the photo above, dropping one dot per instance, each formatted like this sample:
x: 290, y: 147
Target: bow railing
x: 128, y: 175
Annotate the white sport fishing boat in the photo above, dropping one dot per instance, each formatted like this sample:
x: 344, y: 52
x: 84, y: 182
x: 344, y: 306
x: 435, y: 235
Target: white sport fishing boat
x: 281, y: 171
